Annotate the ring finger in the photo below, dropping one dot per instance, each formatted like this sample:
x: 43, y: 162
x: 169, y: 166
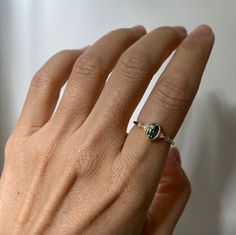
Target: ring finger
x: 167, y: 104
x: 176, y: 88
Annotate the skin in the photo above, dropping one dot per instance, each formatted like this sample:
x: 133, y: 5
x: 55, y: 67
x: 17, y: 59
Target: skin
x: 73, y: 169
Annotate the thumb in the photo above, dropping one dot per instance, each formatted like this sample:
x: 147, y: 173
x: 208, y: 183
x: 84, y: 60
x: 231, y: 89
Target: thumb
x: 170, y: 199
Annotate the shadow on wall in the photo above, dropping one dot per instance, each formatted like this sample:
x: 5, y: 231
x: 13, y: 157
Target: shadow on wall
x: 210, y: 160
x: 5, y: 113
x: 6, y: 104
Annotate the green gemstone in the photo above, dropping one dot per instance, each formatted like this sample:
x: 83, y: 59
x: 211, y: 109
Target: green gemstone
x: 153, y: 131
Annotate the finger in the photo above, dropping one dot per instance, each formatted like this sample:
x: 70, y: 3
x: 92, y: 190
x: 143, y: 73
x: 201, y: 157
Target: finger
x: 170, y: 199
x: 173, y: 94
x: 167, y: 105
x: 90, y: 73
x: 45, y: 89
x: 130, y: 77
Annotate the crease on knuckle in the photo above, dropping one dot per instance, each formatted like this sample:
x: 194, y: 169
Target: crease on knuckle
x: 15, y: 145
x: 88, y: 64
x: 191, y: 52
x: 44, y: 79
x: 81, y: 160
x: 86, y: 158
x: 173, y: 93
x: 191, y: 45
x: 134, y: 65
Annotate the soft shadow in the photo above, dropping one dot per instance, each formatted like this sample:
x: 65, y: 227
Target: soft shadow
x: 208, y: 146
x: 6, y: 102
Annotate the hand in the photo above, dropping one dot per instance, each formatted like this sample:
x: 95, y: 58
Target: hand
x: 170, y: 198
x: 76, y: 170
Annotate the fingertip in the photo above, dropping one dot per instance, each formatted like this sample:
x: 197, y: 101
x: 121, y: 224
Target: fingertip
x: 181, y: 29
x: 202, y: 30
x: 140, y: 30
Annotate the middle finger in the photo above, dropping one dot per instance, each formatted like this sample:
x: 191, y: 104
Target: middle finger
x: 89, y: 74
x: 132, y: 75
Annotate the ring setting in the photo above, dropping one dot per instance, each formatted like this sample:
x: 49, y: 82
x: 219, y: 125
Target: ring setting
x: 154, y: 131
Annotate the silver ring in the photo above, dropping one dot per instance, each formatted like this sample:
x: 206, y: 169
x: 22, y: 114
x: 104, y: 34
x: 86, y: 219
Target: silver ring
x: 154, y: 131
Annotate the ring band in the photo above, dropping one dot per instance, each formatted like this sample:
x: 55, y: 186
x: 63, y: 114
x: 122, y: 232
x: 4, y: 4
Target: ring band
x: 154, y: 131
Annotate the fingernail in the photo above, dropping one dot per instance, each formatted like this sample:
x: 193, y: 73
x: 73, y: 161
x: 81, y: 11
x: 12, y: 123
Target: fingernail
x: 181, y: 29
x: 139, y: 29
x: 202, y: 30
x: 174, y: 157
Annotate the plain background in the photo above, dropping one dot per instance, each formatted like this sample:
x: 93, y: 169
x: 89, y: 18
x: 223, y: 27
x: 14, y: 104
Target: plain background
x: 31, y: 31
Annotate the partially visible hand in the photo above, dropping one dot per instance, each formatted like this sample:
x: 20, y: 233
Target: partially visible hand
x: 74, y: 169
x: 170, y: 198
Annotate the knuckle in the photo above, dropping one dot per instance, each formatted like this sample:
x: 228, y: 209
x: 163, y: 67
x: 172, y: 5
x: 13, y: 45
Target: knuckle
x: 81, y: 160
x: 174, y: 92
x: 16, y: 145
x: 43, y: 78
x: 191, y: 45
x: 134, y: 64
x: 85, y: 157
x: 88, y: 64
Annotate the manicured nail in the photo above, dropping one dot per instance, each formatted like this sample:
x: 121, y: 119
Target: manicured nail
x: 181, y: 29
x: 139, y: 29
x: 174, y: 157
x: 202, y: 30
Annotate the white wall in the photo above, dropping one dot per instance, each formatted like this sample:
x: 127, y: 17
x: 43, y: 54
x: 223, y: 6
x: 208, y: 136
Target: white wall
x: 31, y: 31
